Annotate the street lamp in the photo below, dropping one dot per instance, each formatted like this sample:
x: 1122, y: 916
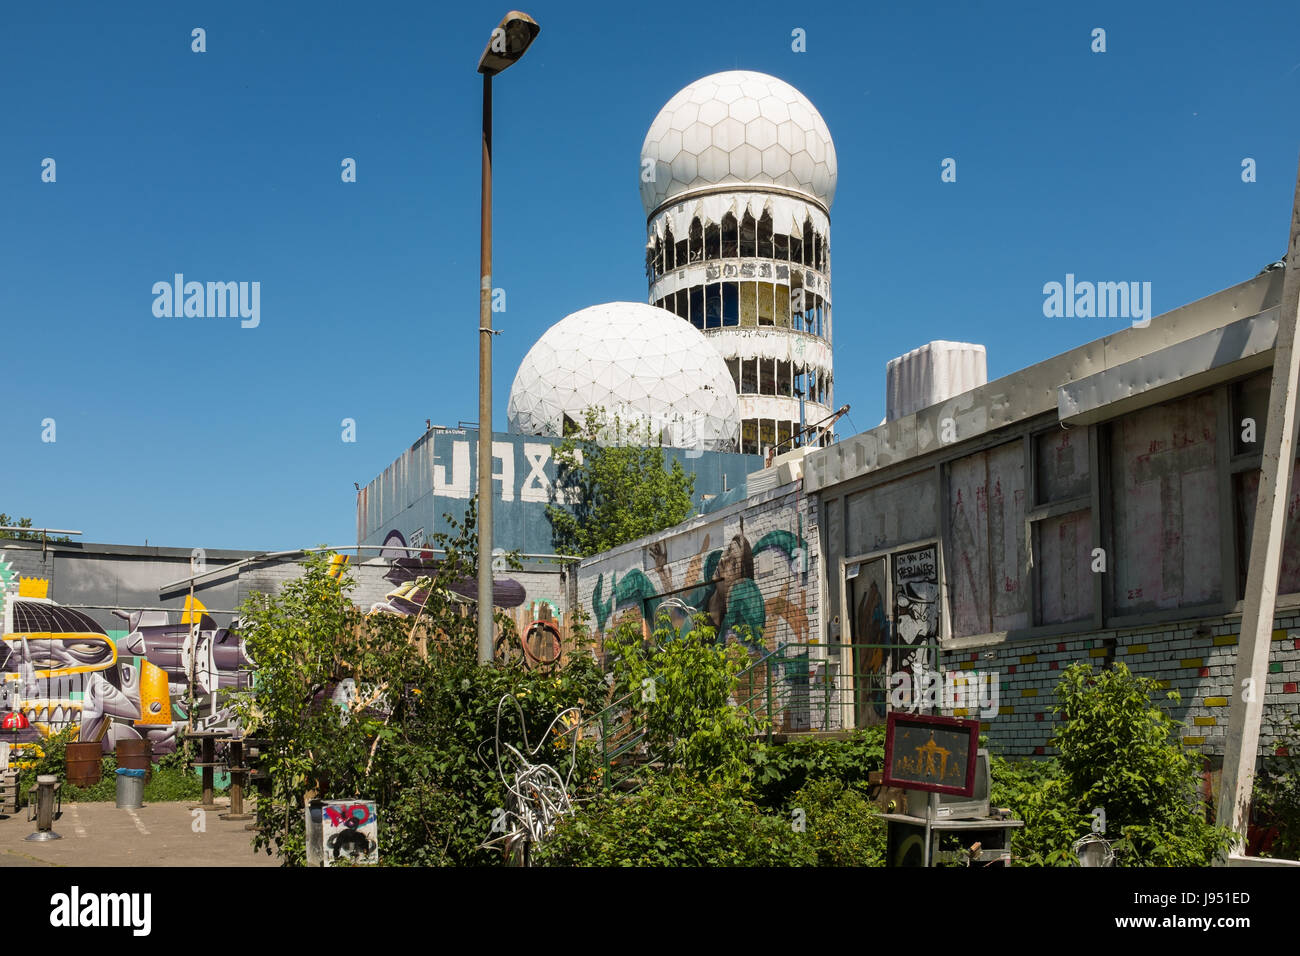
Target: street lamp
x: 506, y: 45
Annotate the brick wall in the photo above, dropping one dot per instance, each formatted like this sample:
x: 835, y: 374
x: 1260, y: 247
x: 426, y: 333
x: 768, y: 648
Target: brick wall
x: 1195, y: 658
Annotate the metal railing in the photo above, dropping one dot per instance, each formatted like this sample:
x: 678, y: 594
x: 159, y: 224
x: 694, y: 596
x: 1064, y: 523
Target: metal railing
x: 793, y: 688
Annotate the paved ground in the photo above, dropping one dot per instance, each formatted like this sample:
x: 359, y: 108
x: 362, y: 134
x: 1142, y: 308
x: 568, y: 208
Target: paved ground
x: 160, y: 834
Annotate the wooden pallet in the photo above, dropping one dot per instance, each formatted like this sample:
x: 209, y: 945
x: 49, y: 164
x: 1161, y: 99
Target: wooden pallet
x: 9, y: 792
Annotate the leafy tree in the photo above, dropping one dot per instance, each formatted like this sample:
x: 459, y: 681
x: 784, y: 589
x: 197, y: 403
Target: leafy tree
x: 1119, y: 752
x: 418, y: 736
x: 8, y: 522
x: 683, y: 685
x: 621, y: 489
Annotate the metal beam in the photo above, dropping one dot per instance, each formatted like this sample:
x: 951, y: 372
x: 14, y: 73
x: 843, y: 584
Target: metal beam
x: 1251, y: 672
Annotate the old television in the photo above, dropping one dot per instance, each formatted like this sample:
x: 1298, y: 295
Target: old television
x: 975, y: 807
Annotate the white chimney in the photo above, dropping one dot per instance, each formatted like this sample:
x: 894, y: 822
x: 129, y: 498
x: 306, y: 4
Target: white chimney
x: 932, y: 374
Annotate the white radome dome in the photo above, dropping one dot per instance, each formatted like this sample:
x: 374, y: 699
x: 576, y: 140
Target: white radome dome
x: 637, y: 361
x: 738, y: 127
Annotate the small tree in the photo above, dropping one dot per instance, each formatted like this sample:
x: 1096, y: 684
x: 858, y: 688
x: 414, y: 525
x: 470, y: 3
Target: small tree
x: 8, y: 522
x: 683, y: 686
x: 1120, y: 753
x: 620, y: 488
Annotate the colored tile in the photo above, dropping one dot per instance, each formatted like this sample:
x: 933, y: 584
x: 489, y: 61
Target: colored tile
x: 1206, y: 721
x: 1029, y: 659
x: 1216, y: 702
x: 1193, y: 741
x: 1223, y: 640
x: 1097, y: 652
x: 1029, y: 692
x: 1136, y: 649
x: 1192, y: 662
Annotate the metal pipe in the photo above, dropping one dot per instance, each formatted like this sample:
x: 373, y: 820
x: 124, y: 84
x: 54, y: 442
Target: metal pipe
x: 485, y: 632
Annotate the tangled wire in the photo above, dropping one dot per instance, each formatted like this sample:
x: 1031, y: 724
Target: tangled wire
x: 536, y: 795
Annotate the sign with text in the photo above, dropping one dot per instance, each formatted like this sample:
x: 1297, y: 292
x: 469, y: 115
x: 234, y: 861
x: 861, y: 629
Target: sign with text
x: 936, y: 754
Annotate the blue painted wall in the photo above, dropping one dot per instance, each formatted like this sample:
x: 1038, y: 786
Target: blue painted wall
x: 438, y: 475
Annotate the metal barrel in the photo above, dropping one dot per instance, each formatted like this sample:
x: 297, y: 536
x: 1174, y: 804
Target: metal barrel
x: 136, y: 755
x: 84, y: 764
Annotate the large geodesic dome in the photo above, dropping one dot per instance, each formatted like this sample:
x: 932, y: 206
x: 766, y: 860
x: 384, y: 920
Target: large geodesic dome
x: 738, y: 127
x: 640, y: 363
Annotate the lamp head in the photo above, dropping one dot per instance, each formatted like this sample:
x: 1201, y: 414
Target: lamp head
x: 508, y: 42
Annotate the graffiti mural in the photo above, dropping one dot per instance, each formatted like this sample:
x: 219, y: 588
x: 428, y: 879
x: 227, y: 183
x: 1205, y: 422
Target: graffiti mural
x: 751, y: 589
x: 63, y: 670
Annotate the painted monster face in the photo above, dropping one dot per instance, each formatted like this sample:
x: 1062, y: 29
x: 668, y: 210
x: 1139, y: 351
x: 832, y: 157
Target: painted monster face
x: 60, y: 655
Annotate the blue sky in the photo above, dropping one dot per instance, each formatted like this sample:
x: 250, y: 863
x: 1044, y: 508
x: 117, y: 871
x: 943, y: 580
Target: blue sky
x: 225, y: 166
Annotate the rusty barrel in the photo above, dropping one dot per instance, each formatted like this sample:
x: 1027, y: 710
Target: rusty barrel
x: 84, y: 763
x: 136, y: 755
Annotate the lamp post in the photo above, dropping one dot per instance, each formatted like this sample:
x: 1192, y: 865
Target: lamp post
x: 506, y: 45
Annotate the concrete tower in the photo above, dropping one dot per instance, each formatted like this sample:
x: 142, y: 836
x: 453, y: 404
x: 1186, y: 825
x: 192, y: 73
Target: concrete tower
x: 737, y: 178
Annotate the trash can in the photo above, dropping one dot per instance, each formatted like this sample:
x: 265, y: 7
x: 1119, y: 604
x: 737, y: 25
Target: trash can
x: 130, y: 789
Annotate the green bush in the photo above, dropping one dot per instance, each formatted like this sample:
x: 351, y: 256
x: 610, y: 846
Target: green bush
x: 841, y: 824
x: 689, y: 718
x: 780, y: 770
x: 1120, y: 754
x: 676, y: 820
x: 1277, y: 792
x: 418, y: 740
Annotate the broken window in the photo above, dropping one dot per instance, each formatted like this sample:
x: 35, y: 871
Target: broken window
x: 748, y: 236
x: 733, y: 366
x: 668, y: 251
x: 807, y: 242
x: 781, y: 246
x: 696, y: 296
x: 765, y: 235
x: 817, y: 252
x: 796, y: 249
x: 748, y: 304
x: 784, y: 379
x: 782, y: 302
x: 749, y: 377
x: 680, y: 254
x: 784, y: 432
x: 766, y: 310
x: 749, y: 437
x: 729, y: 236
x: 712, y: 242
x: 713, y: 306
x: 766, y: 434
x: 697, y: 240
x: 681, y: 305
x: 730, y: 304
x: 766, y: 376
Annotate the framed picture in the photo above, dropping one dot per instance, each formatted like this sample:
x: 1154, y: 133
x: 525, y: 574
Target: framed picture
x: 936, y: 754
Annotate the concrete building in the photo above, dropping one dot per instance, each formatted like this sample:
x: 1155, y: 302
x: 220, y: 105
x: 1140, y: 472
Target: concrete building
x: 1094, y: 507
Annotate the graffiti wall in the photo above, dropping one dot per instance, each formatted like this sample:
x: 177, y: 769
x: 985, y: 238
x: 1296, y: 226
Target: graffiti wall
x: 751, y: 569
x: 148, y: 679
x: 108, y: 640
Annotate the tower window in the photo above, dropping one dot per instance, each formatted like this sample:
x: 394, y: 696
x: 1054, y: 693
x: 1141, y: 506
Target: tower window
x: 765, y: 236
x: 713, y: 306
x: 730, y: 304
x: 696, y: 296
x: 766, y: 310
x: 748, y: 236
x: 712, y: 242
x: 781, y: 246
x: 697, y: 241
x: 730, y: 231
x: 749, y: 376
x: 748, y: 305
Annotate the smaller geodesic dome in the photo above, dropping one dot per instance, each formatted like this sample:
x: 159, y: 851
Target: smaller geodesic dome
x: 640, y: 363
